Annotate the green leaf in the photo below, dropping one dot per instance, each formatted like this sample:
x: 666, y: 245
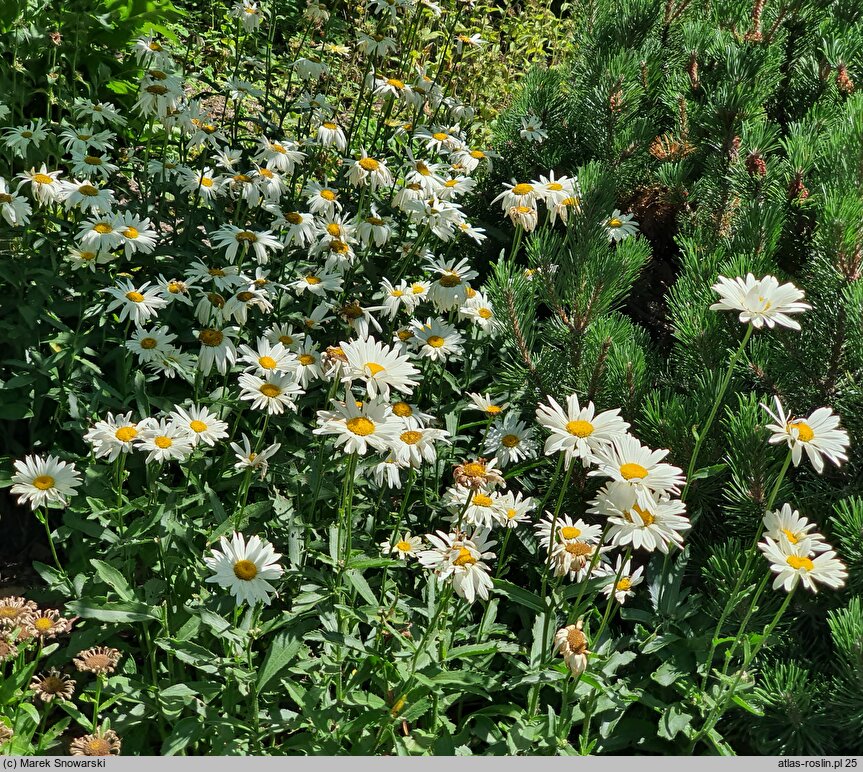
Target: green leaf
x: 283, y: 648
x: 519, y: 595
x: 113, y: 578
x: 358, y: 582
x: 673, y: 720
x: 478, y: 649
x: 708, y: 471
x: 89, y: 608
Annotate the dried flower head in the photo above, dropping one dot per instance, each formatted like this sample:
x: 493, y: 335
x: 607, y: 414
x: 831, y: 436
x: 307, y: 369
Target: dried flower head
x: 477, y: 474
x: 8, y: 650
x: 98, y: 660
x: 5, y: 734
x: 48, y: 624
x: 104, y: 742
x: 15, y: 612
x: 571, y: 643
x: 53, y: 685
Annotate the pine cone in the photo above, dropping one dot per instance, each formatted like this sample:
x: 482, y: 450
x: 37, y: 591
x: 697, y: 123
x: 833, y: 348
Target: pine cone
x: 693, y: 70
x: 843, y: 80
x: 755, y: 165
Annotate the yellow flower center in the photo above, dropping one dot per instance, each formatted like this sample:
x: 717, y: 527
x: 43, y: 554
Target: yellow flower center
x: 210, y: 337
x: 245, y: 570
x: 286, y: 340
x: 632, y: 471
x: 43, y: 624
x: 580, y: 428
x: 402, y: 409
x: 176, y: 287
x: 624, y: 584
x: 435, y: 341
x: 576, y: 640
x: 43, y: 179
x: 804, y: 431
x: 103, y: 228
x: 163, y: 442
x: 216, y: 272
x: 268, y: 363
x: 93, y: 160
x: 361, y: 426
x: 126, y: 433
x: 131, y: 233
x: 148, y: 343
x: 410, y: 437
x: 464, y: 558
x: 614, y: 223
x: 578, y: 549
x: 5, y: 198
x: 473, y: 469
x: 373, y: 368
x: 440, y: 136
x: 270, y: 390
x: 157, y: 88
x: 404, y: 546
x: 395, y: 83
x: 510, y: 440
x: 245, y: 297
x: 369, y: 164
x: 43, y: 482
x: 242, y: 178
x: 135, y: 297
x: 404, y: 335
x: 154, y: 46
x: 485, y: 313
x: 306, y: 359
x: 481, y: 500
x: 328, y: 195
x: 88, y: 190
x: 554, y: 186
x: 570, y: 532
x: 790, y: 535
x: 797, y: 562
x: 646, y: 517
x: 510, y: 514
x: 207, y: 182
x: 451, y: 279
x: 246, y: 236
x: 98, y: 746
x: 197, y: 426
x: 522, y: 189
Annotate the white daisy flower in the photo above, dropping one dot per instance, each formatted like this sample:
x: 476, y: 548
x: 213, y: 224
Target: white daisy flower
x: 273, y: 394
x: 15, y: 209
x: 233, y: 238
x: 217, y: 348
x: 150, y: 343
x: 42, y: 481
x: 510, y: 440
x: 100, y: 233
x: 439, y: 341
x: 461, y: 560
x: 388, y: 472
x: 787, y: 524
x: 403, y: 548
x: 176, y: 290
x: 579, y: 432
x: 245, y: 568
x: 200, y: 423
x: 415, y: 443
x: 627, y: 460
x: 517, y: 194
x: 368, y: 171
x: 819, y: 435
x: 566, y: 529
x: 163, y: 440
x: 760, y: 301
x: 267, y: 358
x: 515, y: 509
x: 358, y: 428
x: 620, y: 226
x: 478, y: 309
x: 138, y: 235
x: 652, y: 527
x: 136, y: 303
x: 486, y: 404
x: 531, y: 129
x: 86, y: 196
x: 379, y: 366
x: 286, y: 336
x: 317, y: 283
x: 622, y: 587
x: 248, y: 458
x: 112, y: 436
x: 86, y: 164
x: 793, y: 564
x: 481, y: 509
x: 450, y: 289
x: 45, y: 186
